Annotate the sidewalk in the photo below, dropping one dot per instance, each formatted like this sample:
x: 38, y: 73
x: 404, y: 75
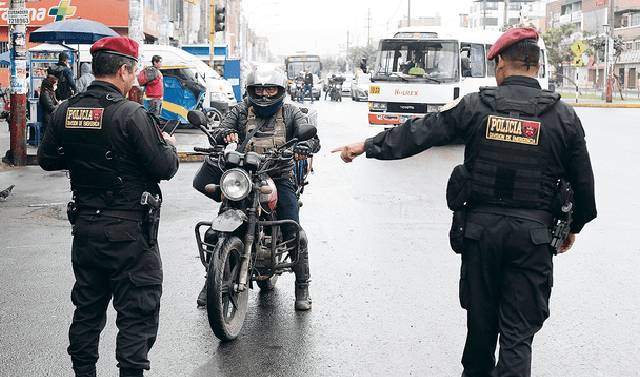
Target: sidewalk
x: 187, y: 139
x: 588, y: 99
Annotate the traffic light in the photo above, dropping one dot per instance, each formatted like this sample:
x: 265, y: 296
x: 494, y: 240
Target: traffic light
x: 220, y: 18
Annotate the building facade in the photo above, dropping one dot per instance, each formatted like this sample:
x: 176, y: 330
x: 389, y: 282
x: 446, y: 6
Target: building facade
x: 588, y: 18
x: 490, y: 15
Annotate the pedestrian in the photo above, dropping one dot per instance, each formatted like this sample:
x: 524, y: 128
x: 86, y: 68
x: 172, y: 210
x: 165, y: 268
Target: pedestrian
x: 300, y: 87
x: 86, y: 77
x: 47, y: 98
x: 66, y: 81
x: 264, y: 122
x: 308, y: 84
x: 151, y: 79
x: 520, y: 141
x: 114, y: 152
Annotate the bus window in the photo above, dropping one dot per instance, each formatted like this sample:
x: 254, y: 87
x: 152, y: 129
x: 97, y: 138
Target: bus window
x: 472, y: 60
x: 491, y: 64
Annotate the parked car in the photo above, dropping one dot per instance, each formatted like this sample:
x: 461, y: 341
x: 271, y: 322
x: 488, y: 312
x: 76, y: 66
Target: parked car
x: 346, y: 86
x: 360, y: 87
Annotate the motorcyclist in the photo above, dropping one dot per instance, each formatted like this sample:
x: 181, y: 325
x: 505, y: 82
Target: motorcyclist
x: 270, y: 122
x: 332, y: 81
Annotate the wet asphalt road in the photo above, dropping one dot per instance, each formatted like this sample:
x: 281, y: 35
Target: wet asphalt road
x: 385, y: 282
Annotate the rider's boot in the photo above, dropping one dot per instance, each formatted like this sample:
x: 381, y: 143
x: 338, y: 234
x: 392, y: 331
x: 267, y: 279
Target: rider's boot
x: 303, y: 300
x: 301, y: 269
x: 202, y: 296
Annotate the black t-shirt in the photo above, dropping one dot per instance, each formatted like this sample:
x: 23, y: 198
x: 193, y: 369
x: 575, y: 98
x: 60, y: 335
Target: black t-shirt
x: 308, y: 78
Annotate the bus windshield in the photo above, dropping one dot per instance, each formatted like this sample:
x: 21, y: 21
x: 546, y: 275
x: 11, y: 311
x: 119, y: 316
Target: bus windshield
x: 417, y: 60
x: 294, y: 68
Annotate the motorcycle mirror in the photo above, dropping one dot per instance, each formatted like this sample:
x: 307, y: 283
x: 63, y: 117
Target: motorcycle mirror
x: 197, y: 118
x: 306, y: 132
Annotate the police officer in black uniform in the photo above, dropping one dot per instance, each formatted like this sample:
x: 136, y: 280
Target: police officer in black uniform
x: 114, y: 152
x: 520, y: 142
x: 263, y: 122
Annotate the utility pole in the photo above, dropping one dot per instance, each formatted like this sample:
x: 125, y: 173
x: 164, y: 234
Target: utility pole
x: 505, y: 15
x: 18, y: 18
x: 368, y: 27
x: 346, y: 57
x: 610, y: 54
x: 212, y: 31
x: 484, y: 14
x: 408, y: 12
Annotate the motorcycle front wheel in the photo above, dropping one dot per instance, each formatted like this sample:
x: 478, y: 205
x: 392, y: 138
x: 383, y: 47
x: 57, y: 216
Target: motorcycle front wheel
x: 226, y: 308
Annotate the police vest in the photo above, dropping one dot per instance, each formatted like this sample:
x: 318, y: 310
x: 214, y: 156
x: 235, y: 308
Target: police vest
x: 264, y: 140
x: 509, y: 165
x: 86, y: 145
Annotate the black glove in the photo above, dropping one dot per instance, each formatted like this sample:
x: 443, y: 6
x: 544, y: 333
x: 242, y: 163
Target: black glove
x: 302, y: 149
x: 224, y: 133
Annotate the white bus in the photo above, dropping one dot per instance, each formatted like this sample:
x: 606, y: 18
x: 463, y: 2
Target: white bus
x: 420, y: 69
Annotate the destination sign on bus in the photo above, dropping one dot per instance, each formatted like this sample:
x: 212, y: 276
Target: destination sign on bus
x: 416, y: 35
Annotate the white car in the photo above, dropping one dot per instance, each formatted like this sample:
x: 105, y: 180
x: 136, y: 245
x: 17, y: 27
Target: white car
x: 346, y: 85
x: 360, y: 87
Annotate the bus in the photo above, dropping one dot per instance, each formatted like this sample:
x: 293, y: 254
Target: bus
x: 299, y: 62
x: 419, y: 69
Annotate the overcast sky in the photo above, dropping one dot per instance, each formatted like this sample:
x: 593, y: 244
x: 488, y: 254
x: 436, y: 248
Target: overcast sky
x: 322, y: 25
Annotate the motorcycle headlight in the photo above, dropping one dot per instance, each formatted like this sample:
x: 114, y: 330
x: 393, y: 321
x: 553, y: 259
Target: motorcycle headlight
x: 235, y: 184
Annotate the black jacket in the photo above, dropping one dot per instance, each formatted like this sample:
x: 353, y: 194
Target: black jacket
x: 567, y: 149
x: 66, y: 81
x: 134, y: 138
x: 237, y: 119
x: 48, y: 104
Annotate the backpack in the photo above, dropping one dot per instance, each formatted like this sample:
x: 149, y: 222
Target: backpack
x: 147, y: 75
x: 58, y: 72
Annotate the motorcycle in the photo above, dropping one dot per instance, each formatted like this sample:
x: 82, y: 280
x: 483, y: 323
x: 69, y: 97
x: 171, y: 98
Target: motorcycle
x: 244, y: 244
x: 335, y: 89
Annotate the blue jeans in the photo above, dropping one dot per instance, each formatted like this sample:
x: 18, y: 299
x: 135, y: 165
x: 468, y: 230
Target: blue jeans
x: 308, y: 88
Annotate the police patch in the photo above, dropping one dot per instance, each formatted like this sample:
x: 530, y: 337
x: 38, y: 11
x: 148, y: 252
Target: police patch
x: 513, y: 130
x: 84, y: 117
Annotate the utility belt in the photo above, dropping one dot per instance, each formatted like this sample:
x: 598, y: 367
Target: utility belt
x: 151, y: 215
x: 459, y: 195
x: 537, y: 215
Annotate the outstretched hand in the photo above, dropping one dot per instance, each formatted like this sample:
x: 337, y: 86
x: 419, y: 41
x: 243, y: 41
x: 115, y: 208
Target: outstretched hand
x: 349, y: 152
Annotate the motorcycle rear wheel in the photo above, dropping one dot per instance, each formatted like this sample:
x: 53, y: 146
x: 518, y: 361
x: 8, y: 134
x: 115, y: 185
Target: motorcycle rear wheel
x: 226, y: 308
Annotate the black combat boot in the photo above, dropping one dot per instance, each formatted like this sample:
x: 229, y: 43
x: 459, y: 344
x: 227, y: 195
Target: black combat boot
x: 301, y: 269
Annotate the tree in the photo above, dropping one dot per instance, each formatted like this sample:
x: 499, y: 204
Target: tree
x: 356, y: 54
x: 557, y: 42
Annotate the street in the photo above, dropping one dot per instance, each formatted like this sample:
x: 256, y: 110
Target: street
x: 384, y: 279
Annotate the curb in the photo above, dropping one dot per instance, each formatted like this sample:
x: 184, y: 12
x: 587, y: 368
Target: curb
x: 606, y: 105
x: 190, y: 157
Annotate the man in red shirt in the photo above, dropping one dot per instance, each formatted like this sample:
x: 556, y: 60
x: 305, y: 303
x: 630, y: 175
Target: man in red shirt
x: 154, y: 89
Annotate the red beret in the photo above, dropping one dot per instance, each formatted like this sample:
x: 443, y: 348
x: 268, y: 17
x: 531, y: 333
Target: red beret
x: 122, y: 46
x: 510, y: 37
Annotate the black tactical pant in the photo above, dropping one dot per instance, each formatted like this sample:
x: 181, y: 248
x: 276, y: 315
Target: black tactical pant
x: 505, y: 285
x: 112, y: 258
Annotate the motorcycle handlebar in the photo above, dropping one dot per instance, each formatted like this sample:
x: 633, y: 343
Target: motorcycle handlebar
x: 204, y: 150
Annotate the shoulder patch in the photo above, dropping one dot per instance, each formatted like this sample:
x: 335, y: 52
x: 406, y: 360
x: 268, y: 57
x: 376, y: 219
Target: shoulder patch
x: 451, y: 104
x: 84, y: 117
x: 512, y: 130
